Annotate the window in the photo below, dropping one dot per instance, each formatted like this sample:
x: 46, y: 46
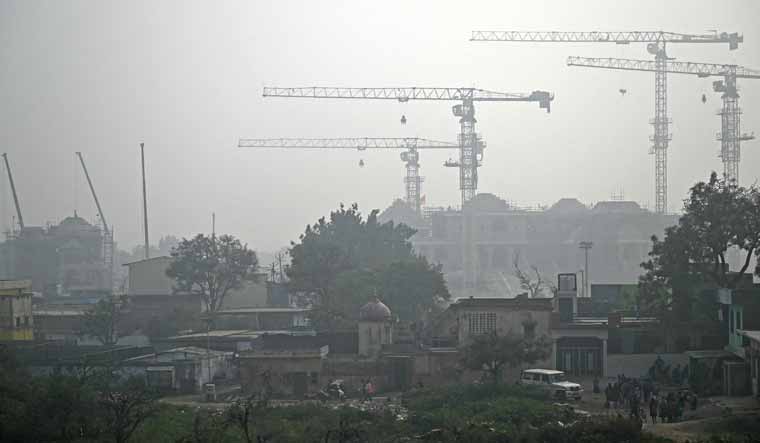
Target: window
x: 482, y: 322
x: 26, y: 320
x: 18, y: 322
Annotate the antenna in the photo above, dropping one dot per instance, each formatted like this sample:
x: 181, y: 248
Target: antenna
x: 145, y: 200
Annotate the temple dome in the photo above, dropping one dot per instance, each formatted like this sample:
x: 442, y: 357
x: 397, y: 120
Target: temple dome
x: 375, y: 310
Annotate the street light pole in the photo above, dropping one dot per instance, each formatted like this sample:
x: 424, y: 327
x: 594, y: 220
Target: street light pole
x: 586, y: 246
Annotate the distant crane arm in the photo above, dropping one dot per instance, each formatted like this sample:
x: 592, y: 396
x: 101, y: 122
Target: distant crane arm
x: 94, y: 195
x: 618, y: 37
x: 406, y: 94
x: 13, y: 191
x: 346, y: 143
x: 672, y: 66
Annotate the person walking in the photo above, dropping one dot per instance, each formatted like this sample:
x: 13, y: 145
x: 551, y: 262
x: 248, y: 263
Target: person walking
x: 653, y: 409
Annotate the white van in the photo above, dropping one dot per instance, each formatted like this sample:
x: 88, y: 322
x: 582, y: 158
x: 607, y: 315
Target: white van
x: 553, y: 381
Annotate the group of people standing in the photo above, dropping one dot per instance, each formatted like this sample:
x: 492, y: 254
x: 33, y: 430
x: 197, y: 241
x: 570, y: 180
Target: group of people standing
x: 670, y: 408
x: 633, y: 394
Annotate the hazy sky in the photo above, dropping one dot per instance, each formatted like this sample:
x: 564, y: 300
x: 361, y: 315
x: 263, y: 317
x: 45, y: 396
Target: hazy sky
x: 186, y: 77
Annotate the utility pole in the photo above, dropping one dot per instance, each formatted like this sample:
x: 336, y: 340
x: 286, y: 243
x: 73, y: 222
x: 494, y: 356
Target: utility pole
x: 586, y: 246
x: 145, y: 201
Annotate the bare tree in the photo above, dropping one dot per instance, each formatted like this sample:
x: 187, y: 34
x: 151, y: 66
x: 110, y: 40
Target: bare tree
x: 125, y: 407
x: 531, y: 281
x: 244, y: 412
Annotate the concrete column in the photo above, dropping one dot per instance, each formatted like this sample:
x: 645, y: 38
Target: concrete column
x: 604, y: 358
x: 554, y: 354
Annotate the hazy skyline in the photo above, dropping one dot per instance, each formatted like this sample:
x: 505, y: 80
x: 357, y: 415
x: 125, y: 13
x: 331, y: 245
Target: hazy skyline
x: 185, y: 78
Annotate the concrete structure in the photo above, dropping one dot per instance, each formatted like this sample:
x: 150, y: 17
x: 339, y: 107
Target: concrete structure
x: 291, y: 372
x: 481, y: 245
x: 159, y: 311
x: 521, y: 315
x: 752, y: 356
x: 262, y: 318
x: 16, y: 319
x: 184, y: 369
x: 67, y: 258
x: 375, y: 328
x: 59, y: 323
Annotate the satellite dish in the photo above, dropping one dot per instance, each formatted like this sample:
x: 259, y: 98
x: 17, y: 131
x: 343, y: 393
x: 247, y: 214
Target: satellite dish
x: 652, y: 48
x: 623, y: 91
x: 361, y: 163
x: 403, y: 119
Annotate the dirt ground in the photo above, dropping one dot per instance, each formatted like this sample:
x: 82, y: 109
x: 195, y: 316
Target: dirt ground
x: 711, y: 414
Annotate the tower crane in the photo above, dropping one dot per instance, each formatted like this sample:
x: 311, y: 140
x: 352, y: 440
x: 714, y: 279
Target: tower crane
x: 470, y: 145
x: 13, y: 191
x: 410, y: 156
x: 107, y: 233
x: 730, y: 136
x: 656, y: 45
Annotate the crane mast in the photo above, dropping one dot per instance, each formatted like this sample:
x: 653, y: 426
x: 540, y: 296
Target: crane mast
x: 730, y: 136
x: 107, y: 233
x: 656, y: 45
x: 470, y: 146
x: 410, y: 156
x: 13, y: 191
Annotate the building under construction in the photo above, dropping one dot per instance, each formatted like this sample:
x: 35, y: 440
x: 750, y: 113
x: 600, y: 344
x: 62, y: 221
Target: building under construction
x: 63, y: 259
x: 478, y: 250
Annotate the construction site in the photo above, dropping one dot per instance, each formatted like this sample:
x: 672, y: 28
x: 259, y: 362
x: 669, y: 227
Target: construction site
x: 480, y: 241
x: 379, y: 221
x: 71, y: 258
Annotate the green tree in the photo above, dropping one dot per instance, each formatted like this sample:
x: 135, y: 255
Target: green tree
x: 412, y: 287
x: 102, y: 320
x: 210, y: 267
x: 718, y: 216
x: 493, y: 352
x: 344, y: 261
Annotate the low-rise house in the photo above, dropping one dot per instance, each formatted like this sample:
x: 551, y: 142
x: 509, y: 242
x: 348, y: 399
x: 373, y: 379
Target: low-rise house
x: 183, y: 370
x: 292, y: 366
x: 262, y: 318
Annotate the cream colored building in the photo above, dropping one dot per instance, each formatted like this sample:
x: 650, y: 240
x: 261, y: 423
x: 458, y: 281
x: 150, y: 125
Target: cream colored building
x: 16, y: 321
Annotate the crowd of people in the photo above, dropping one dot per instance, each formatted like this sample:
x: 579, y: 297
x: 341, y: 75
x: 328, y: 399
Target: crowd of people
x: 633, y: 395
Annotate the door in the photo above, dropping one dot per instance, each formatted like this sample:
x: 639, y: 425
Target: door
x: 300, y: 383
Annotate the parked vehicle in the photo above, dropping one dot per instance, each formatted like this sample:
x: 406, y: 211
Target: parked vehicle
x: 553, y: 381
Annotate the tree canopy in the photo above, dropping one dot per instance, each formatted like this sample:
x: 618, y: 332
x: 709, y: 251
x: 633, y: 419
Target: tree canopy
x: 719, y: 218
x: 492, y: 352
x: 102, y: 321
x: 211, y: 266
x: 345, y: 260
